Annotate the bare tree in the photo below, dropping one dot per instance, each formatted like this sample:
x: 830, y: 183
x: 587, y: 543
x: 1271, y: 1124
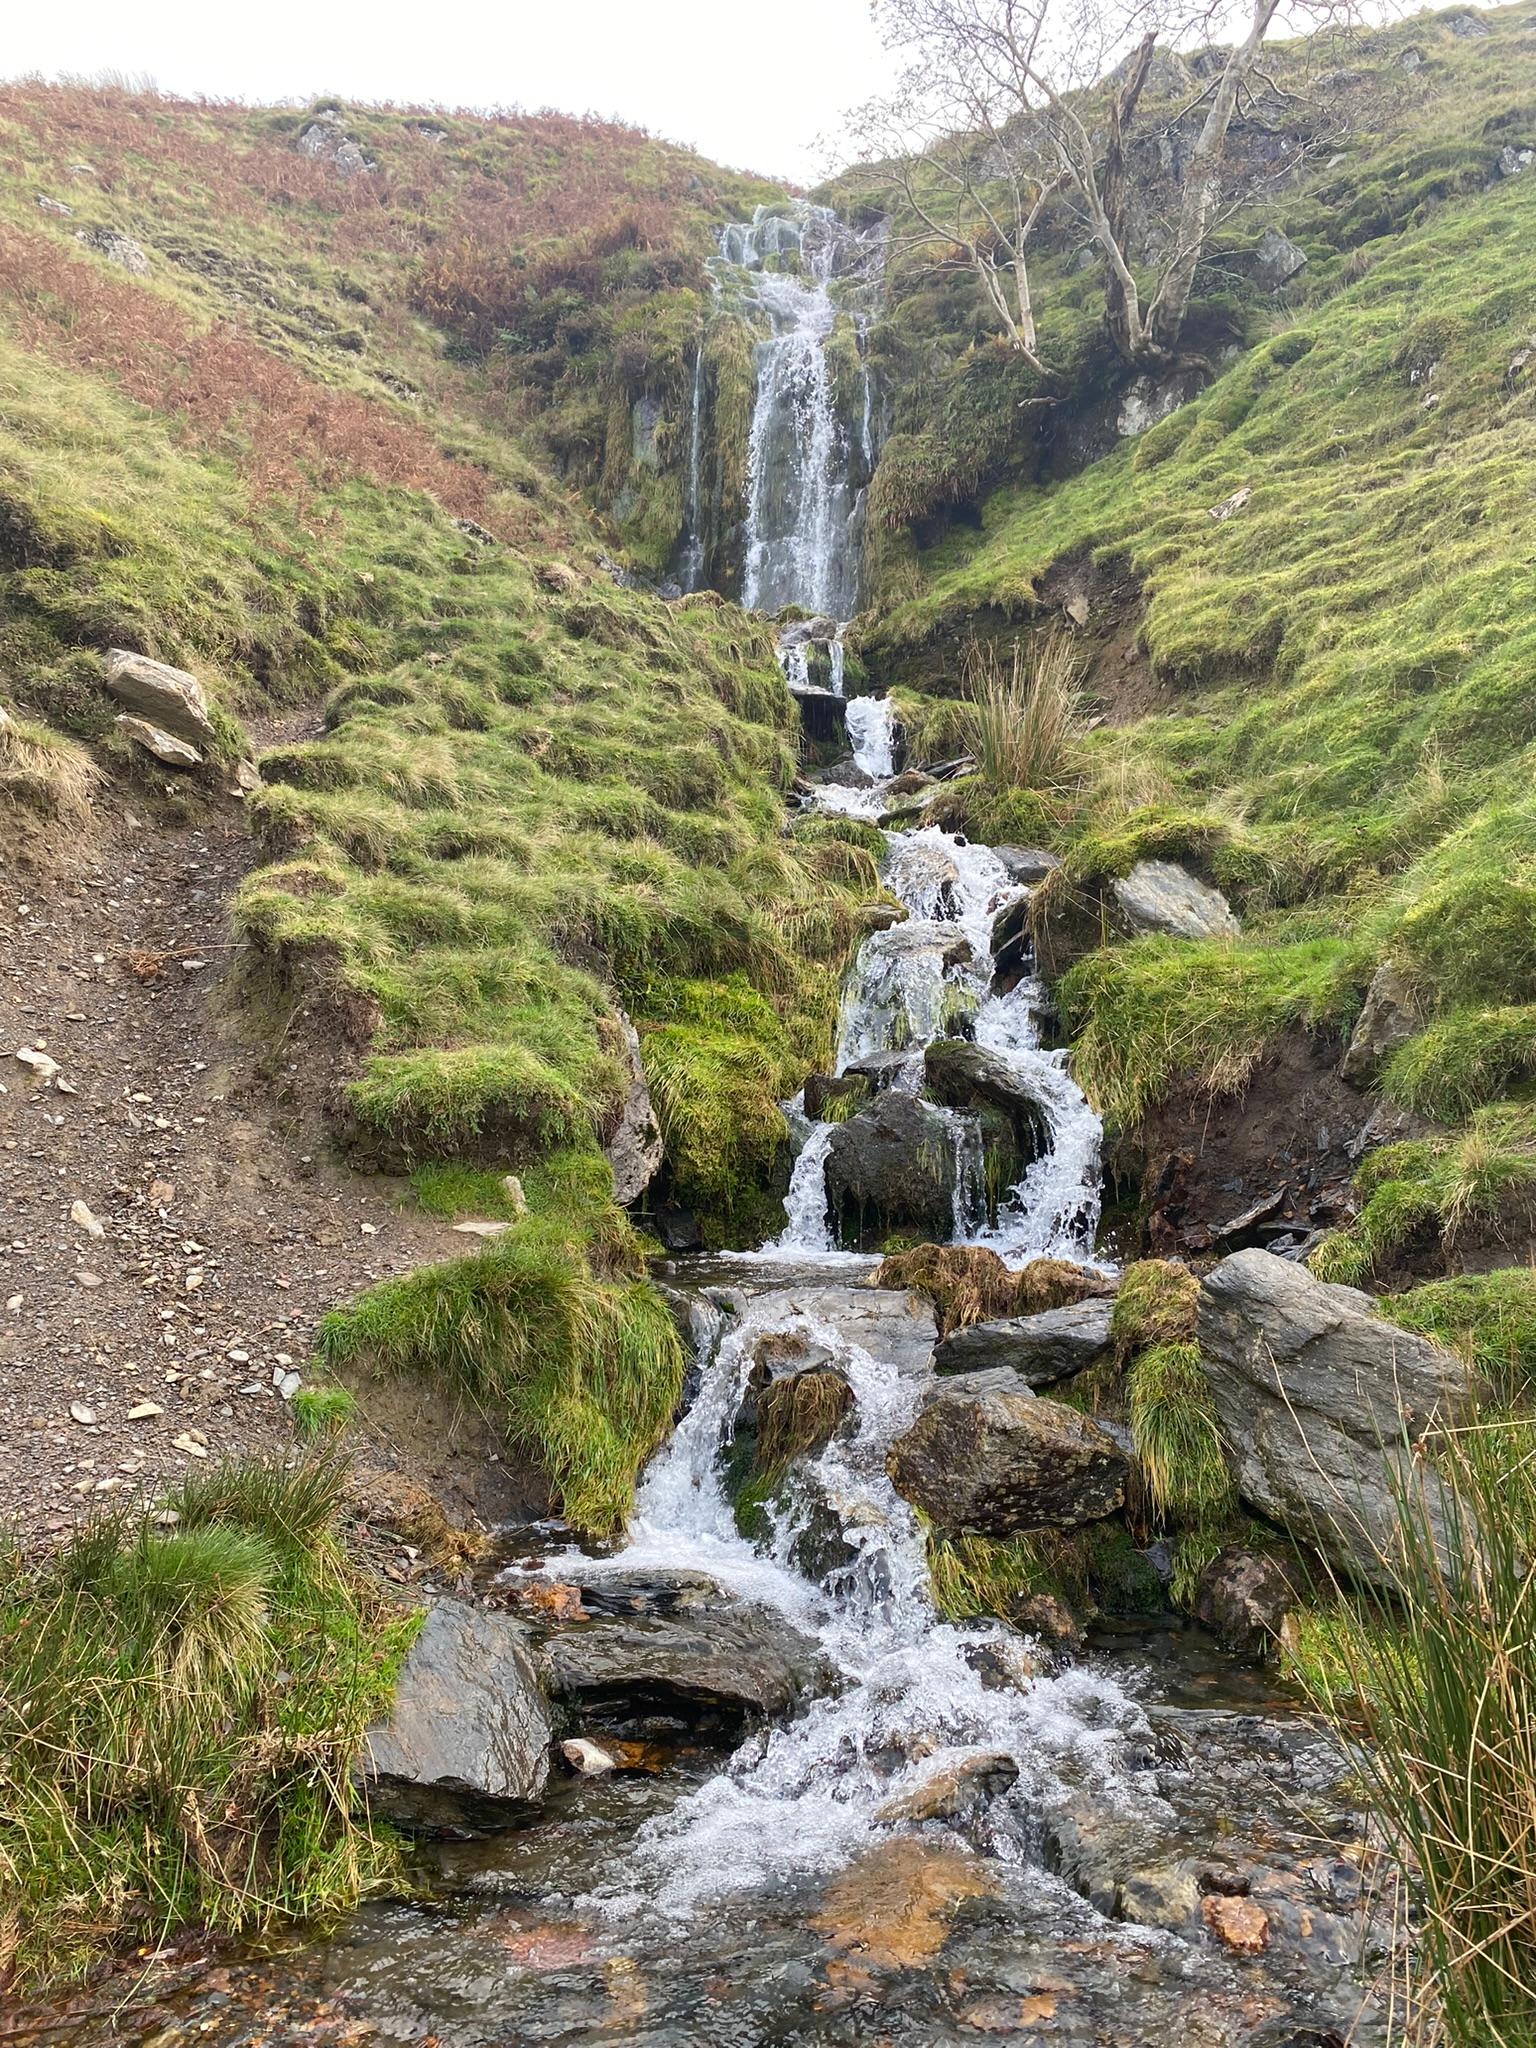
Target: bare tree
x: 1005, y: 104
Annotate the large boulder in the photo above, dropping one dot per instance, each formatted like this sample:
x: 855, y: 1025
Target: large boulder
x: 634, y: 1150
x: 162, y: 696
x: 678, y: 1646
x: 1159, y: 896
x: 893, y: 1167
x: 1039, y: 1349
x: 467, y: 1741
x: 984, y: 1459
x: 1012, y: 1126
x: 1389, y: 1017
x: 1320, y: 1403
x: 896, y: 1328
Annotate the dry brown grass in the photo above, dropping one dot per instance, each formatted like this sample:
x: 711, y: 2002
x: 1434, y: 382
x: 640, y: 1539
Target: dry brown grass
x: 969, y: 1284
x: 48, y: 791
x: 798, y: 1413
x: 1023, y: 712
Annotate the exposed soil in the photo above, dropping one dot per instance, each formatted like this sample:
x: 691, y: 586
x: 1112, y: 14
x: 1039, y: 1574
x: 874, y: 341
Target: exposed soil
x: 1286, y: 1145
x: 226, y: 1230
x: 1102, y: 603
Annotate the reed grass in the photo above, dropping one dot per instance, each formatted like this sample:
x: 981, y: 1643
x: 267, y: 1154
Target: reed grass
x: 1023, y: 712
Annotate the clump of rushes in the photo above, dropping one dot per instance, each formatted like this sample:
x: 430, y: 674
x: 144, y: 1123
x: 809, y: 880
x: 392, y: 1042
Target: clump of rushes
x: 969, y: 1284
x: 582, y: 1373
x: 1482, y: 1179
x: 971, y: 1576
x: 1023, y: 713
x: 1437, y: 1690
x: 183, y: 1705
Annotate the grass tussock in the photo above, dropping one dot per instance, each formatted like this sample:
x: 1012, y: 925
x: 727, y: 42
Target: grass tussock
x: 1156, y: 1304
x: 1173, y: 1426
x: 969, y: 1284
x: 583, y: 1374
x: 796, y: 1413
x: 1439, y: 1691
x: 1022, y: 713
x: 1451, y: 1186
x: 183, y: 1699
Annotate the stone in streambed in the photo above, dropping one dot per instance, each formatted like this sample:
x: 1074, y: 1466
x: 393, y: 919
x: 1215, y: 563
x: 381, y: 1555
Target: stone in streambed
x: 953, y: 1794
x: 677, y: 1645
x: 892, y: 1168
x: 466, y: 1744
x: 1243, y: 1598
x: 983, y: 1459
x: 1039, y: 1349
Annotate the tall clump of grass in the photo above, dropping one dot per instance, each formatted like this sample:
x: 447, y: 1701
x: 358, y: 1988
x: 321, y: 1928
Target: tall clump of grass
x: 182, y: 1701
x: 1437, y: 1689
x: 1023, y: 712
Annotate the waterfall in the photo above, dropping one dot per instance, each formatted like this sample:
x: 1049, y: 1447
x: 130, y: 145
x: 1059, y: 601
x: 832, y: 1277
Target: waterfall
x: 691, y: 567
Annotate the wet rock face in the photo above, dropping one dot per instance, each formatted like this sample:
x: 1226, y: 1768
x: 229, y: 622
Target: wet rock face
x: 677, y: 1646
x: 1243, y: 1598
x: 467, y: 1741
x: 1039, y: 1349
x: 1319, y: 1402
x: 892, y: 1168
x: 983, y: 1459
x: 1160, y: 896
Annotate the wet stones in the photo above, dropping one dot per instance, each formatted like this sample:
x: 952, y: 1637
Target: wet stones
x: 892, y: 1168
x: 1243, y: 1599
x: 466, y: 1744
x: 634, y: 1149
x: 983, y: 1459
x: 953, y: 1794
x: 1040, y: 1349
x: 678, y: 1647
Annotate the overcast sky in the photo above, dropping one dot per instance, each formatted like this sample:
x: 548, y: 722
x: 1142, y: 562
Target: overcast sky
x: 750, y: 86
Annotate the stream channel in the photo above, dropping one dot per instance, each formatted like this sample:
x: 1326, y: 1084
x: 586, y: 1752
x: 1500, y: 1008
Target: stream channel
x: 1148, y: 1843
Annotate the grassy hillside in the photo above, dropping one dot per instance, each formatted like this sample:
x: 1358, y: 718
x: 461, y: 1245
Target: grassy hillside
x: 1345, y: 661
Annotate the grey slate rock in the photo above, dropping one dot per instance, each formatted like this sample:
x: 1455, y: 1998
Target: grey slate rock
x: 1159, y: 896
x: 466, y: 1745
x: 1036, y: 1349
x: 1319, y: 1402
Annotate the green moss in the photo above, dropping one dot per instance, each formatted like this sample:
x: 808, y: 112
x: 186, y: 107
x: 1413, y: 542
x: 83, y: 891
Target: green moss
x: 184, y: 1709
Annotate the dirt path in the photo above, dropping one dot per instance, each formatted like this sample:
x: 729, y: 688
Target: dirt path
x: 135, y: 1346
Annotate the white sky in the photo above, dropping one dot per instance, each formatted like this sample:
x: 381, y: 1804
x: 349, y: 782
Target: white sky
x: 753, y: 86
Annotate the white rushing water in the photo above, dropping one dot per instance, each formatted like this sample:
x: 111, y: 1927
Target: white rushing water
x: 804, y: 1797
x: 911, y: 1700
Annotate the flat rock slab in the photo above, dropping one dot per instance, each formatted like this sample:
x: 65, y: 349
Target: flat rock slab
x: 1160, y: 896
x: 165, y: 697
x: 1038, y: 1349
x: 1319, y: 1402
x: 467, y: 1741
x: 983, y: 1459
x: 677, y: 1645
